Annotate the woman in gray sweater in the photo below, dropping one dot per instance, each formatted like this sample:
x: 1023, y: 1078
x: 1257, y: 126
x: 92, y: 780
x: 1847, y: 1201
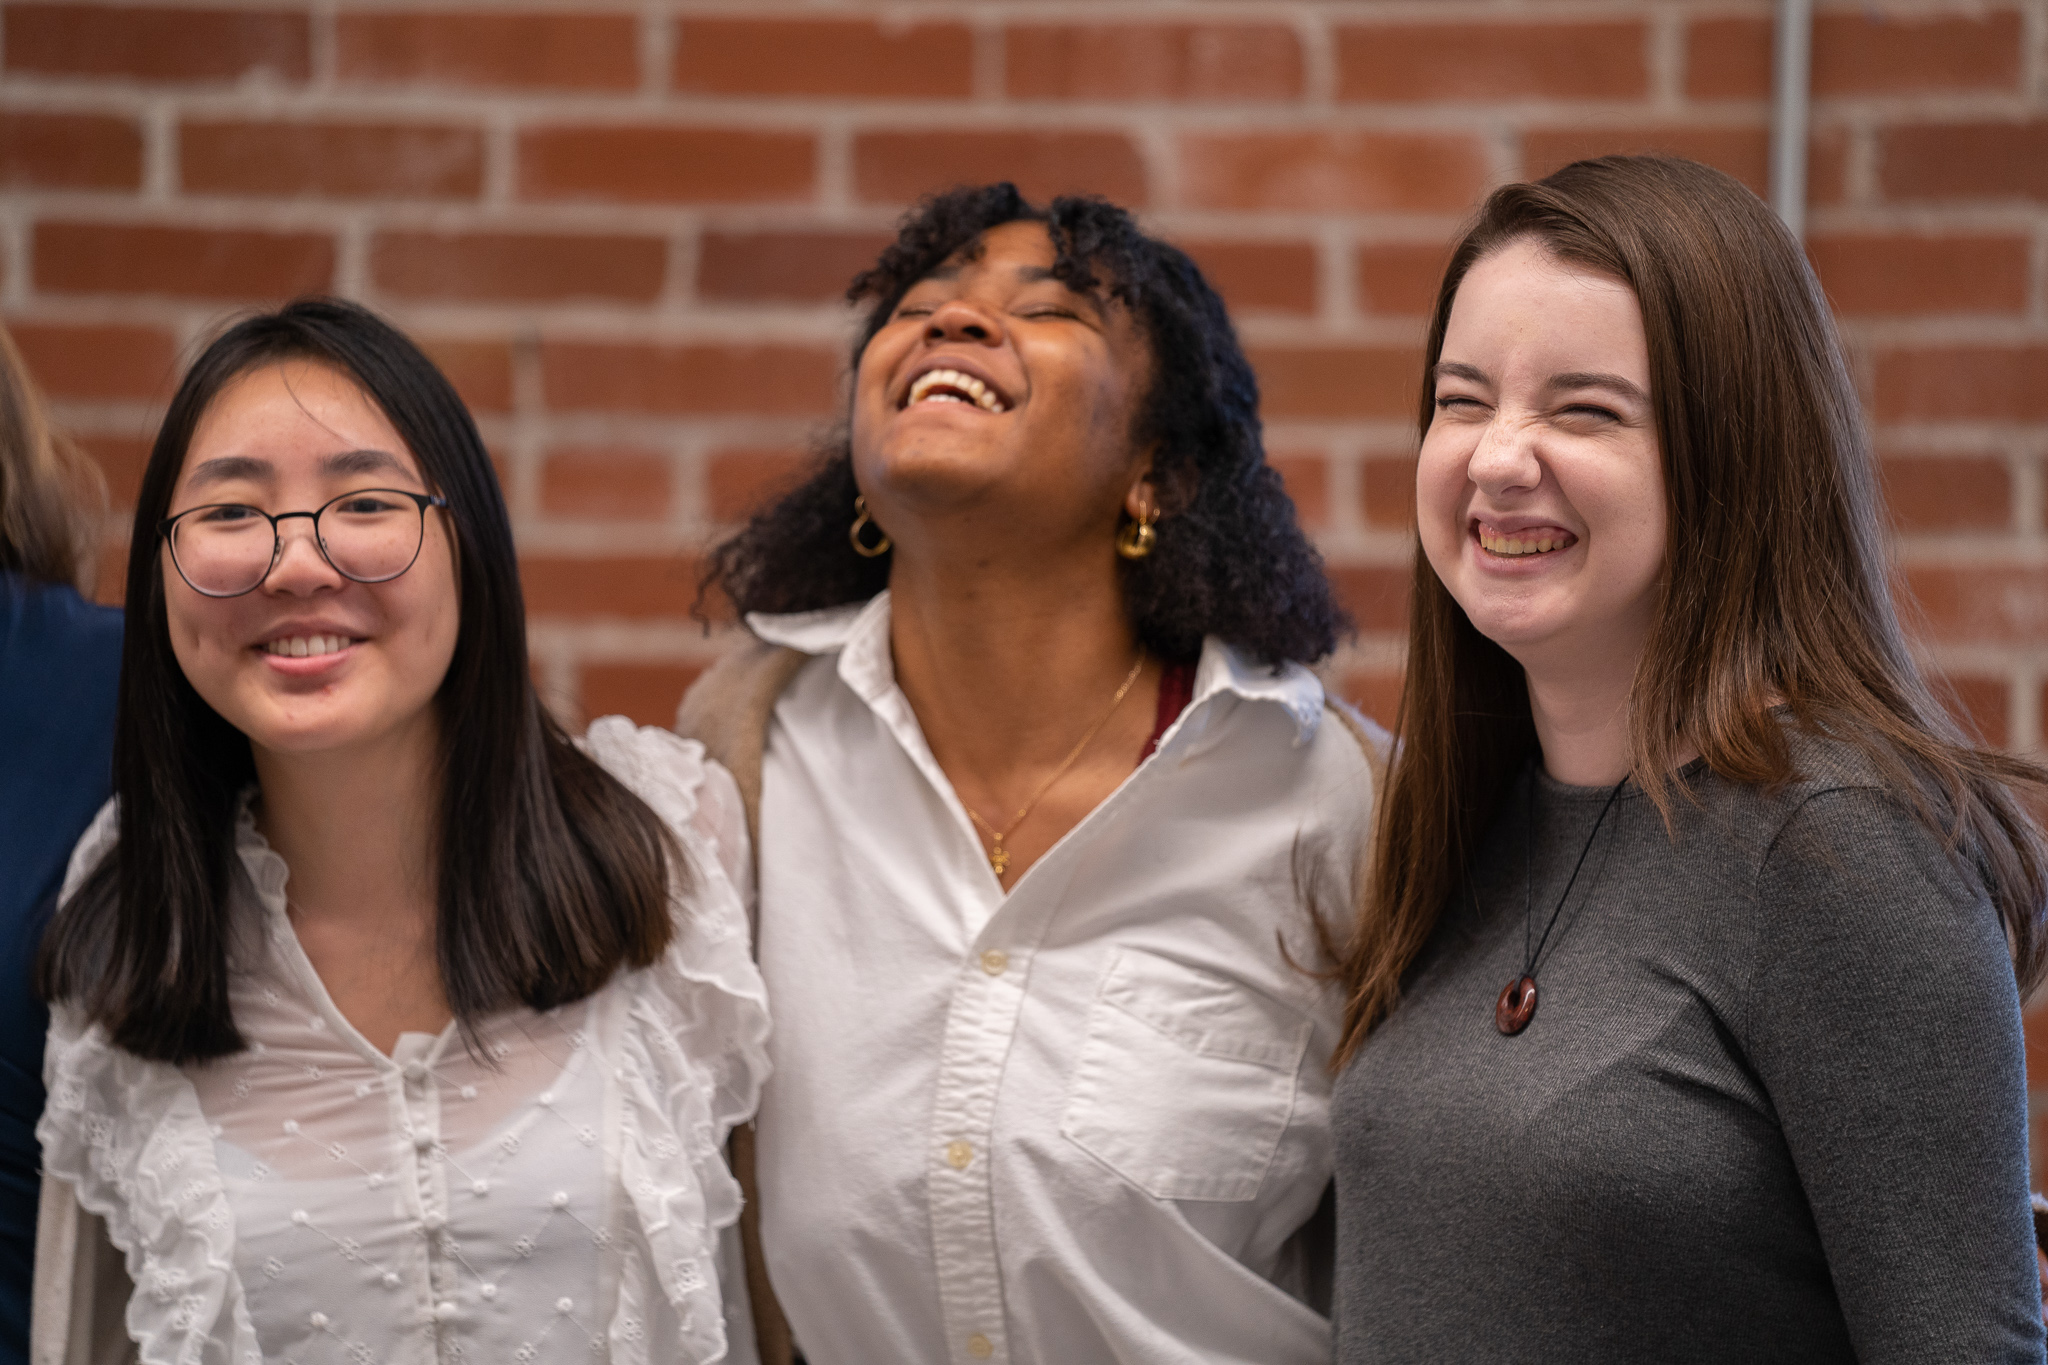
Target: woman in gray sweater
x: 1684, y: 999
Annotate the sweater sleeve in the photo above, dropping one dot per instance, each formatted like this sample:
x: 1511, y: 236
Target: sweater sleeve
x: 1884, y: 1022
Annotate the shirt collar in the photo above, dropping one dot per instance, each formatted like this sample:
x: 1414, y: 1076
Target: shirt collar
x: 859, y: 632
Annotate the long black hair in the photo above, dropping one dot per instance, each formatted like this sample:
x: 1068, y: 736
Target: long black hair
x: 1230, y: 559
x: 551, y: 874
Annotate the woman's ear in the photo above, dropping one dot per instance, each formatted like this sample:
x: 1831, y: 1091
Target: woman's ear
x: 1142, y: 503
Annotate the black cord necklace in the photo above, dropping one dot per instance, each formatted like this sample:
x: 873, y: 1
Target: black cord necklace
x: 1517, y: 1003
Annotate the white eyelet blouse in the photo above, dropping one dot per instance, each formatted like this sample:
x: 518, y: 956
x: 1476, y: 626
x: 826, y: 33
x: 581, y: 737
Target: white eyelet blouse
x: 311, y: 1200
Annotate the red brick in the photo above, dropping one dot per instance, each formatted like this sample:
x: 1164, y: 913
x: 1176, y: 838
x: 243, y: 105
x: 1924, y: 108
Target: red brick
x: 1337, y: 381
x: 122, y: 460
x: 69, y: 151
x: 1963, y: 383
x: 1981, y: 706
x: 1277, y: 277
x: 340, y: 159
x: 1376, y: 596
x: 110, y: 587
x: 1862, y: 54
x: 1397, y: 279
x: 88, y: 361
x: 783, y: 267
x: 152, y: 44
x: 1386, y: 484
x: 518, y: 266
x: 631, y: 587
x: 2005, y: 604
x: 1896, y: 274
x: 491, y: 51
x: 1152, y: 62
x: 1965, y: 161
x: 1493, y: 61
x: 646, y: 694
x: 481, y: 371
x: 1742, y: 152
x: 1332, y: 171
x: 1827, y: 166
x: 107, y: 258
x: 740, y: 482
x: 1376, y: 693
x: 1307, y: 476
x: 898, y: 168
x: 2036, y: 1020
x: 655, y: 165
x: 824, y: 58
x: 770, y: 380
x: 1936, y: 493
x: 619, y: 483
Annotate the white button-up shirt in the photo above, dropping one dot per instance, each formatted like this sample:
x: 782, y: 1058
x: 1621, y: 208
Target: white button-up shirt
x: 1080, y: 1122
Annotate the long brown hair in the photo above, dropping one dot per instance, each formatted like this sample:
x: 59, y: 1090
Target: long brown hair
x: 1775, y: 586
x: 553, y: 875
x: 50, y: 493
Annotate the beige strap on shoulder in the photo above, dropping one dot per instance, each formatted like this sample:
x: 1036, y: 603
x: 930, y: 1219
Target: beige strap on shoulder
x: 78, y: 1314
x: 727, y: 711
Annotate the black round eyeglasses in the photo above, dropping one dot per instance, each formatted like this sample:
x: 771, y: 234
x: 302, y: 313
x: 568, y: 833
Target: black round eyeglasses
x: 226, y: 549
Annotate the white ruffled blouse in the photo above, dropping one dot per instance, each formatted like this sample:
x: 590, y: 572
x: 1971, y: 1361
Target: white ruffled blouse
x: 311, y: 1200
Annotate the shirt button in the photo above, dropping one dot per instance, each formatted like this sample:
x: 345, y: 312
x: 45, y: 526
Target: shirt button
x: 995, y: 961
x: 391, y: 1279
x: 423, y: 1141
x: 415, y: 1072
x: 980, y: 1347
x: 433, y: 1223
x: 959, y: 1154
x: 444, y: 1310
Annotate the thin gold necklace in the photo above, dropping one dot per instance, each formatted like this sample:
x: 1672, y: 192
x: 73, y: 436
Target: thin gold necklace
x: 999, y: 857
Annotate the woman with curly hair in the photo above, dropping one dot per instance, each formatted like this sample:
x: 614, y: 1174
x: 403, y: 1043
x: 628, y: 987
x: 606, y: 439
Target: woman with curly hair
x: 1683, y: 1022
x: 1043, y: 782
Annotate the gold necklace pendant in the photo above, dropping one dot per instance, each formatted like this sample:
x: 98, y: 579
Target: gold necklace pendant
x: 998, y: 856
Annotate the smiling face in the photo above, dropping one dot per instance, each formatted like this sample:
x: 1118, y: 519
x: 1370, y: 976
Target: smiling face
x: 993, y: 386
x: 310, y: 661
x: 1540, y: 490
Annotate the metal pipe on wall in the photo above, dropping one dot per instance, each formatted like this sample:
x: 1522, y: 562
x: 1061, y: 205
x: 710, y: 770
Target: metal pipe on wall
x: 1791, y: 67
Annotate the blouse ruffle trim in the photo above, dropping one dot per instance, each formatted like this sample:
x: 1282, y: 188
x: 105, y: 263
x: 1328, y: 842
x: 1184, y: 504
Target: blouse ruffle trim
x: 694, y: 1053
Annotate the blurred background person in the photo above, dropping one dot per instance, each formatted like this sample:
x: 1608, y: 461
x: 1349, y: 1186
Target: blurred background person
x: 1044, y: 788
x: 60, y: 660
x: 1682, y: 1022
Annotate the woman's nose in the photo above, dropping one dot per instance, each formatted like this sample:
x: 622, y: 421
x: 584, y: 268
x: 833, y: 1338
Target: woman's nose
x: 1506, y: 456
x: 958, y: 320
x: 300, y: 567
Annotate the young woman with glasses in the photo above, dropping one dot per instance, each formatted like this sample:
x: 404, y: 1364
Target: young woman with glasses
x: 388, y: 1024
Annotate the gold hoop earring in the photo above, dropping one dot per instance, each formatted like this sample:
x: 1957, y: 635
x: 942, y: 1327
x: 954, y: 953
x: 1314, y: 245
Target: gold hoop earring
x: 860, y: 520
x: 1137, y: 538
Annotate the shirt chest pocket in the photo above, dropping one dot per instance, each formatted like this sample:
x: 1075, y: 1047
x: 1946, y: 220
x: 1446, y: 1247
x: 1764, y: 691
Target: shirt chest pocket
x: 1186, y: 1081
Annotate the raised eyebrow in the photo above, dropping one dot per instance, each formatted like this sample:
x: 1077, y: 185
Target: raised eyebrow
x: 1589, y: 379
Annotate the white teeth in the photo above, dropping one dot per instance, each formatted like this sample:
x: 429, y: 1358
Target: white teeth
x: 308, y: 646
x: 965, y: 389
x: 1514, y: 545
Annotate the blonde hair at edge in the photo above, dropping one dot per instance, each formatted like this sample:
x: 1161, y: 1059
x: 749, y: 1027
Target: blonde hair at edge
x: 51, y: 495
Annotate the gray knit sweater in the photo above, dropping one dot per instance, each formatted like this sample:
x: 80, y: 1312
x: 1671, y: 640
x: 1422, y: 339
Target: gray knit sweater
x: 1771, y: 1107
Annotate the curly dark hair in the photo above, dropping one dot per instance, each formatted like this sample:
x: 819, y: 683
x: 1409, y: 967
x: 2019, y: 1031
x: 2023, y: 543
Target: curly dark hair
x: 1230, y: 559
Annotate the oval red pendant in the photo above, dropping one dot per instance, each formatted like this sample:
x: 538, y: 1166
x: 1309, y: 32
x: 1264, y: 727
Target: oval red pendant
x: 1516, y: 1006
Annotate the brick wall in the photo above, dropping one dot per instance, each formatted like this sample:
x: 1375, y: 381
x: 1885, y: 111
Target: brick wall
x: 623, y: 227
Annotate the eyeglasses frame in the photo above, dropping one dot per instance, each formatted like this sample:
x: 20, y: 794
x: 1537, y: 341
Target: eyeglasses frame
x: 422, y: 500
